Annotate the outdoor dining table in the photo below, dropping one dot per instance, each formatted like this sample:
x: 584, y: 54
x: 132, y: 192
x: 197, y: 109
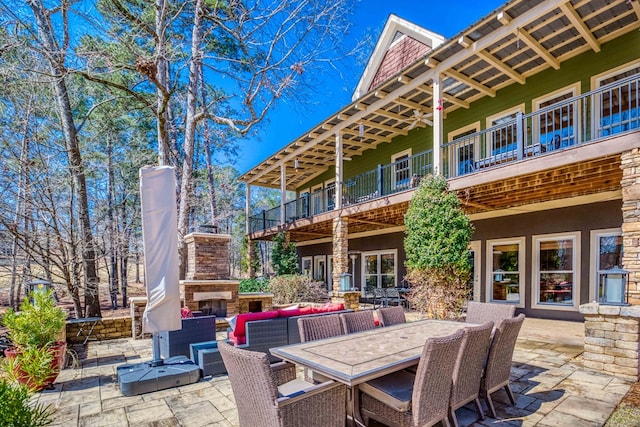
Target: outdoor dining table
x: 356, y: 358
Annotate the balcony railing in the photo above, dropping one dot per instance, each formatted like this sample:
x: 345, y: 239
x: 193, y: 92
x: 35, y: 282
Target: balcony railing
x: 382, y: 181
x: 610, y: 110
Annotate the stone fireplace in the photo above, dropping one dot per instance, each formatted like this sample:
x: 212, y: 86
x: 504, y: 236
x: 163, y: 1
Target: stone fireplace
x: 219, y: 297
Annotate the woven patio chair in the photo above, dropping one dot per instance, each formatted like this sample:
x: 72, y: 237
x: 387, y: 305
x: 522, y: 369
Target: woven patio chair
x: 404, y: 399
x: 391, y: 315
x: 467, y: 373
x: 261, y: 401
x: 357, y: 321
x: 483, y: 312
x: 498, y: 367
x: 316, y: 328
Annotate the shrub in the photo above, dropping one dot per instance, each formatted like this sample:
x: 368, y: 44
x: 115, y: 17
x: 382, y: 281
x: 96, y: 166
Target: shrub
x: 437, y: 247
x: 260, y: 284
x: 15, y: 409
x: 284, y: 256
x: 290, y: 288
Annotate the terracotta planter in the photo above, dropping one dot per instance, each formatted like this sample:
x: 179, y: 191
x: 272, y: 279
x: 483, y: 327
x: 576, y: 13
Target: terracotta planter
x: 58, y: 351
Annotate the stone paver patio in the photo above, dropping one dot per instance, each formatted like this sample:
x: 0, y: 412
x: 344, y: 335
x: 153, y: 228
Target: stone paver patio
x: 550, y: 385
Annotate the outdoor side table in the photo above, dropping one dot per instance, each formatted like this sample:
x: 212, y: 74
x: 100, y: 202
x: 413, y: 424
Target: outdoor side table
x: 206, y: 356
x: 85, y: 327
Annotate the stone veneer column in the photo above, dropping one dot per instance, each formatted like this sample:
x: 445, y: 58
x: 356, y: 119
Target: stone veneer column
x: 340, y: 250
x: 207, y: 256
x: 630, y: 165
x: 611, y: 339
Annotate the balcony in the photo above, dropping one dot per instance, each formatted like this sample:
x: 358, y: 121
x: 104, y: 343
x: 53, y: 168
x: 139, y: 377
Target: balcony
x: 594, y: 116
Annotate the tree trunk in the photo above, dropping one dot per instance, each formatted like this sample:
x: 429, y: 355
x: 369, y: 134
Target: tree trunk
x: 113, y: 233
x: 56, y: 66
x: 190, y: 129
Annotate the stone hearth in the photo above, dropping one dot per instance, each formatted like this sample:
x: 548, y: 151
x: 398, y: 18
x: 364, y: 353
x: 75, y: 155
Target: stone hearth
x: 211, y: 294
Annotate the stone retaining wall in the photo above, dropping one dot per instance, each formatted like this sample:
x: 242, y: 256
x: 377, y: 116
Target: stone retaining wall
x: 105, y: 329
x: 611, y: 343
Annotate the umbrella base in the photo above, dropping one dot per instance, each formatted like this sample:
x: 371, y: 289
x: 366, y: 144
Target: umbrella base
x: 139, y: 378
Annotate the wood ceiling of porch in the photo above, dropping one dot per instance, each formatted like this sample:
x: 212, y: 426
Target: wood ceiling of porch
x: 524, y: 38
x: 579, y: 179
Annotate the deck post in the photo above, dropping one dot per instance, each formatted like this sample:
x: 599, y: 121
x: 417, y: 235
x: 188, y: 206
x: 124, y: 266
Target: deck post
x: 340, y: 251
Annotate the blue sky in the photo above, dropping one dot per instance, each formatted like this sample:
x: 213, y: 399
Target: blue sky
x: 334, y: 87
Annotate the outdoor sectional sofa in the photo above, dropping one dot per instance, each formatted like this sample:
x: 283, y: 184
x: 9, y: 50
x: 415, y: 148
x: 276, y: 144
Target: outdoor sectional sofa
x: 194, y: 329
x: 264, y: 330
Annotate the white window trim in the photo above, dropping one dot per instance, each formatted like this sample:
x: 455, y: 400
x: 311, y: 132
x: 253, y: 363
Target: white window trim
x: 520, y: 241
x: 476, y: 246
x: 453, y: 153
x: 574, y: 90
x: 302, y: 260
x: 595, y: 84
x: 593, y: 257
x: 394, y: 158
x: 363, y: 257
x: 536, y: 239
x: 316, y: 259
x: 597, y: 78
x: 504, y: 113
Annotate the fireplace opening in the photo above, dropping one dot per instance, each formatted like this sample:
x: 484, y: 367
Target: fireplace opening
x: 215, y: 307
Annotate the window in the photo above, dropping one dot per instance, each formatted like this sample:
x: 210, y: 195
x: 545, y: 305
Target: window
x: 556, y: 273
x: 619, y: 107
x: 306, y: 265
x: 505, y: 267
x: 474, y: 260
x: 303, y: 204
x: 502, y: 140
x: 320, y: 268
x: 379, y: 269
x: 606, y: 253
x: 464, y: 152
x: 330, y: 187
x: 401, y: 173
x: 556, y: 125
x: 317, y: 202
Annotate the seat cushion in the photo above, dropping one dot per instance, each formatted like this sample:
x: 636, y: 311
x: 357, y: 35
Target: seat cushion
x: 394, y: 390
x: 239, y: 330
x: 293, y: 388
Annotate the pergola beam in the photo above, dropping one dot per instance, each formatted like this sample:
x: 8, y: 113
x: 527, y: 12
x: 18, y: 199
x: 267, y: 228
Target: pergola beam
x: 579, y: 24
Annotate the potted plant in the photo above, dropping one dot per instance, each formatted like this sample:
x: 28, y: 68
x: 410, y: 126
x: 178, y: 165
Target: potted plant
x: 35, y: 331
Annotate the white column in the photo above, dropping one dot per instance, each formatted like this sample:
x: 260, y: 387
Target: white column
x: 283, y: 191
x: 247, y: 209
x: 438, y: 113
x: 338, y: 203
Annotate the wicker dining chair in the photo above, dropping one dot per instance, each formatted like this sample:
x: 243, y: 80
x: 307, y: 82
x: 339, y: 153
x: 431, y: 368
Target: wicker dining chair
x: 404, y: 399
x: 482, y: 312
x: 313, y: 328
x: 498, y: 367
x: 318, y: 327
x: 467, y: 373
x: 391, y: 315
x: 357, y: 321
x: 260, y: 402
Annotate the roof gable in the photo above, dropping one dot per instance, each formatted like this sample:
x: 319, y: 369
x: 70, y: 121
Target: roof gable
x: 399, y: 45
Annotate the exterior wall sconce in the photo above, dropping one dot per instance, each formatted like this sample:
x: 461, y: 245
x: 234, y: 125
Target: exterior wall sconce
x: 613, y: 286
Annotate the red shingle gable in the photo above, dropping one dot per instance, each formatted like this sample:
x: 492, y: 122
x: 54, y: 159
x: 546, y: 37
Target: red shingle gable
x: 404, y: 52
